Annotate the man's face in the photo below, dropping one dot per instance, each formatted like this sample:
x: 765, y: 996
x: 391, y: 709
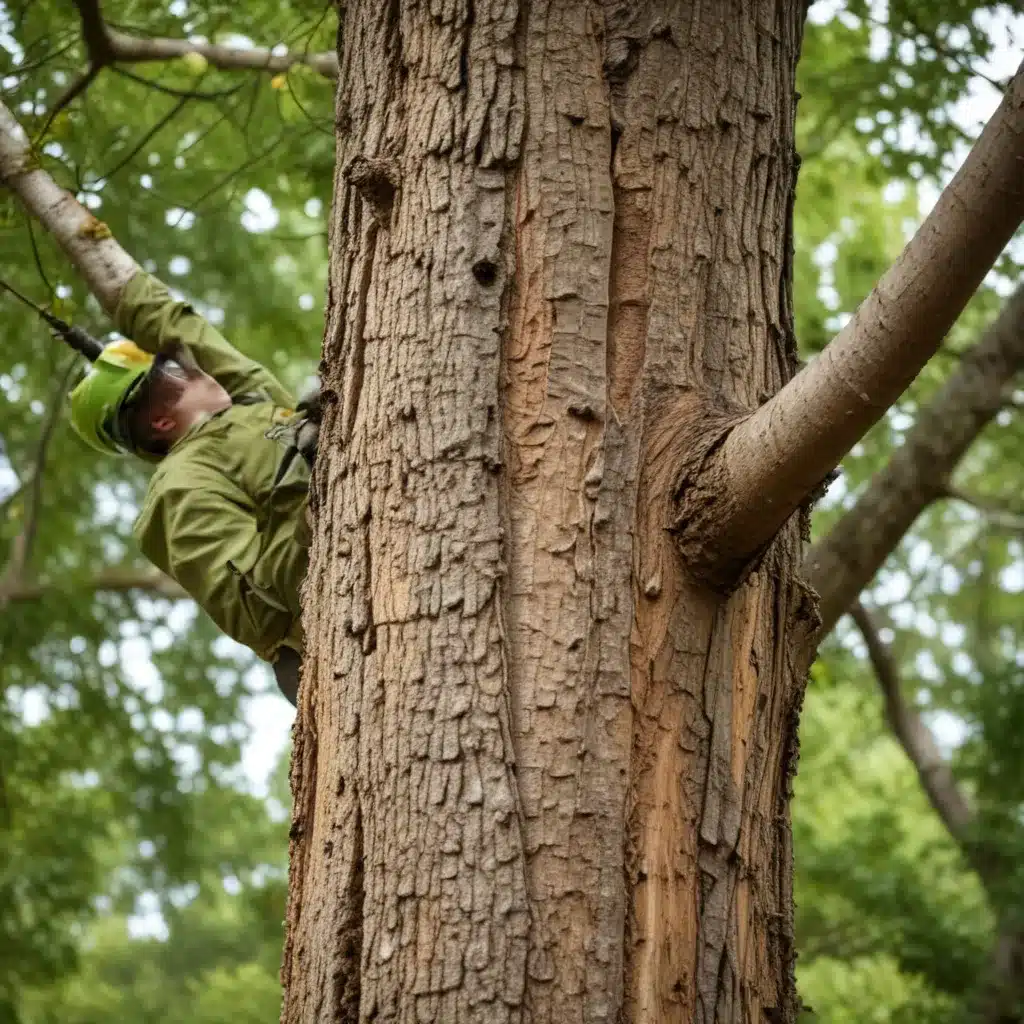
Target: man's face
x: 193, y: 394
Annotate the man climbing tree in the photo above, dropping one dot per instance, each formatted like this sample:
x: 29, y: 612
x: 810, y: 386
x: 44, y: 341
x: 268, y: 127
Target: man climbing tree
x: 225, y: 511
x: 556, y: 631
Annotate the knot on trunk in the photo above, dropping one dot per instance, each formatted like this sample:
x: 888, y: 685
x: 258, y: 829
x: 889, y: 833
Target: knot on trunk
x: 687, y: 440
x: 376, y: 181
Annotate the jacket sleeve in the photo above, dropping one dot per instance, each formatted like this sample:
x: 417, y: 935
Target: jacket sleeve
x: 155, y: 321
x: 203, y: 534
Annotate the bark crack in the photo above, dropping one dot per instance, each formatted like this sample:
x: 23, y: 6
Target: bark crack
x: 356, y: 370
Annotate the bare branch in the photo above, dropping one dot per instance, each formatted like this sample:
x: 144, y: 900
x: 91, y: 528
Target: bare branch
x: 112, y: 47
x: 106, y: 47
x: 775, y: 458
x: 106, y: 267
x: 843, y: 563
x: 997, y: 515
x: 915, y: 737
x: 108, y: 581
x: 95, y: 33
x: 132, y: 50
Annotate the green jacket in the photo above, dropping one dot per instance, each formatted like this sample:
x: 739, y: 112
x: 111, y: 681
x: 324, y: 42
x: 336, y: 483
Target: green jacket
x: 222, y: 516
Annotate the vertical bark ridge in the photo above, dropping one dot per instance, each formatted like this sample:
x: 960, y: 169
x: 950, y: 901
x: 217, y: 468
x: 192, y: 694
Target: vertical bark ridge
x: 412, y: 771
x: 568, y: 507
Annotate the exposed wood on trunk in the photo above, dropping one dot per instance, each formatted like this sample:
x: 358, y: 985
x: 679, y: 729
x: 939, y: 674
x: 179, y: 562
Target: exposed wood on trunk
x: 845, y: 560
x: 541, y: 768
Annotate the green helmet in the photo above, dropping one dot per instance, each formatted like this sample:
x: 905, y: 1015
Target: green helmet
x: 102, y: 395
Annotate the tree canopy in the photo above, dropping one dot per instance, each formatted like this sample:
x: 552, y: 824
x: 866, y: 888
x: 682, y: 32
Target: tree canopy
x: 124, y: 805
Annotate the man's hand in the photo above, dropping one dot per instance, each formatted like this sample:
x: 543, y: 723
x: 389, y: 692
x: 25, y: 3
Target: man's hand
x: 311, y: 403
x: 311, y: 407
x: 306, y: 438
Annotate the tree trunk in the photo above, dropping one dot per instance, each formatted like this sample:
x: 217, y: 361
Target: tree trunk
x: 541, y: 771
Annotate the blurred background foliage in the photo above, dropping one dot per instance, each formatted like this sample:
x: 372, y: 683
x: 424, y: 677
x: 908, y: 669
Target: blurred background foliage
x: 143, y: 820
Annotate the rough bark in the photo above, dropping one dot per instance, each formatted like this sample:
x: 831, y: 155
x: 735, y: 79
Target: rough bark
x: 846, y: 559
x: 539, y: 774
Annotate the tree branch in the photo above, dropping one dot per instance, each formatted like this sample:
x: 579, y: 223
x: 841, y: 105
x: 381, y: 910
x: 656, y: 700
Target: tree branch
x: 1000, y: 517
x: 101, y: 261
x: 107, y: 46
x: 1005, y: 983
x: 21, y: 548
x: 914, y: 736
x: 770, y: 463
x: 107, y: 581
x: 132, y: 50
x: 843, y: 563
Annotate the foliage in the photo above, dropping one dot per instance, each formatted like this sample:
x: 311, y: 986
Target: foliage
x: 124, y: 715
x: 879, y: 880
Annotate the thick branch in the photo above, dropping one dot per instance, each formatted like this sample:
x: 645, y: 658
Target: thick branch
x: 118, y: 581
x: 107, y: 46
x: 843, y: 563
x: 998, y: 516
x: 106, y: 267
x: 774, y: 459
x: 915, y: 737
x: 132, y: 50
x: 95, y: 33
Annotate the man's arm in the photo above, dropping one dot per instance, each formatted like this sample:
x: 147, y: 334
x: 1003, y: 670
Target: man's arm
x: 203, y: 534
x: 149, y: 316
